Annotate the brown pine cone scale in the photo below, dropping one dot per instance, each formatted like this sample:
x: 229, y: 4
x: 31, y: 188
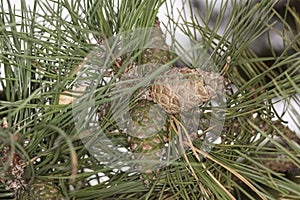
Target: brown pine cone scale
x: 180, y: 89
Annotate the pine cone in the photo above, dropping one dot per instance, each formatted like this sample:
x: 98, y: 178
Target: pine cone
x: 147, y: 132
x: 215, y: 83
x: 180, y: 89
x: 158, y: 51
x: 12, y: 163
x: 40, y: 190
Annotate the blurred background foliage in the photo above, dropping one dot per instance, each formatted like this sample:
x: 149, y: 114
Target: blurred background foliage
x: 43, y: 44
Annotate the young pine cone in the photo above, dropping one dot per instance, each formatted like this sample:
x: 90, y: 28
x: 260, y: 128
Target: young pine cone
x: 147, y: 132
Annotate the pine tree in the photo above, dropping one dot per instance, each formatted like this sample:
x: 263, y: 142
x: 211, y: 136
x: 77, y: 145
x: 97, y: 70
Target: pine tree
x: 78, y: 86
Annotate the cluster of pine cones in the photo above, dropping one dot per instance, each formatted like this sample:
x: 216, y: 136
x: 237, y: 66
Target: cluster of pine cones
x: 177, y: 90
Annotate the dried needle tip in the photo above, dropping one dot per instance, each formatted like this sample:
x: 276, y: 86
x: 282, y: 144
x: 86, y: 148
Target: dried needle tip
x: 228, y: 59
x: 4, y: 123
x: 227, y: 65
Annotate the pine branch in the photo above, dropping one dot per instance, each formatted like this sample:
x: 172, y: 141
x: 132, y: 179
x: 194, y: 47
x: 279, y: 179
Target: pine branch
x: 44, y: 52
